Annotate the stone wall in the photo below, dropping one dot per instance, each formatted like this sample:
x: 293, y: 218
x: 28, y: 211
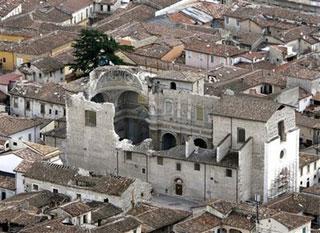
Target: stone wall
x: 92, y: 148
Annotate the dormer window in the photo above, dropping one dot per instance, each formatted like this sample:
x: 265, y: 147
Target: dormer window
x: 266, y: 89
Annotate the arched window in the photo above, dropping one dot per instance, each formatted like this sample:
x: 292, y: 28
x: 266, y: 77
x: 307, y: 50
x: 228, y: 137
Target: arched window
x: 168, y: 141
x: 178, y: 186
x: 173, y: 86
x: 200, y: 143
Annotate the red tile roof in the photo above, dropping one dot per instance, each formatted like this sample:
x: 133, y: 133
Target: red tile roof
x: 10, y: 77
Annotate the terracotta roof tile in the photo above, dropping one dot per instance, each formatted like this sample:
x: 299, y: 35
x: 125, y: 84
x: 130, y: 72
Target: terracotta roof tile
x: 75, y: 208
x: 10, y: 125
x: 7, y: 182
x: 199, y: 224
x: 307, y: 159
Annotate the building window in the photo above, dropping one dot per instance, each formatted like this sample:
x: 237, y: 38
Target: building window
x: 85, y: 219
x: 101, y: 7
x: 212, y: 58
x: 79, y: 196
x: 50, y: 74
x: 159, y: 160
x: 199, y: 113
x: 40, y: 75
x: 227, y: 20
x: 56, y: 112
x: 50, y: 111
x: 304, y: 230
x: 128, y: 155
x: 4, y: 60
x: 281, y: 131
x: 315, y: 166
x: 55, y: 191
x: 143, y: 171
x: 266, y: 89
x: 15, y: 102
x: 308, y: 168
x: 197, y: 166
x: 228, y: 173
x: 173, y: 86
x: 238, y: 23
x: 106, y: 200
x: 241, y: 135
x: 282, y: 154
x: 35, y: 187
x: 42, y: 109
x: 301, y: 171
x: 90, y: 118
x: 27, y: 105
x: 178, y: 166
x: 29, y: 137
x: 64, y: 112
x: 61, y: 70
x: 15, y: 143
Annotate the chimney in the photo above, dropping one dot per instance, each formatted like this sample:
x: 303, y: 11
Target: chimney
x: 190, y: 147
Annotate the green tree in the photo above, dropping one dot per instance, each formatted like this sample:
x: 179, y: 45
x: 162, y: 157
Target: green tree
x: 94, y: 48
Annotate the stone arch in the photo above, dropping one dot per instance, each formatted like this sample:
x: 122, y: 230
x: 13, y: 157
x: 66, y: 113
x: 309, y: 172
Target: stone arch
x: 130, y: 117
x: 114, y: 78
x: 168, y: 141
x: 98, y: 98
x: 234, y: 231
x: 222, y: 230
x: 200, y: 143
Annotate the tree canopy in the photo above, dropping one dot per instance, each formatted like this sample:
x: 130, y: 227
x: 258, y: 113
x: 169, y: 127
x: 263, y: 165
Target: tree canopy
x: 94, y: 48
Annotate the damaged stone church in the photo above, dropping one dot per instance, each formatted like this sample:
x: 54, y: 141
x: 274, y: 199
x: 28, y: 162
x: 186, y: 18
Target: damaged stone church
x: 161, y: 128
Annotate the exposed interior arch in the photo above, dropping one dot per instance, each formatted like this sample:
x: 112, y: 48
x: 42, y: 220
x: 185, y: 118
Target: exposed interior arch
x: 98, y: 98
x: 168, y: 141
x: 130, y: 118
x: 200, y: 143
x: 234, y: 231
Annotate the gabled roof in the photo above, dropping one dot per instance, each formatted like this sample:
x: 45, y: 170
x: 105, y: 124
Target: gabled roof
x: 246, y: 107
x: 297, y: 203
x: 76, y: 208
x: 307, y: 159
x: 45, y: 43
x: 55, y: 225
x: 47, y: 64
x: 10, y: 125
x: 125, y: 224
x: 49, y: 92
x: 51, y: 14
x: 72, y: 6
x: 6, y: 6
x: 6, y: 79
x: 154, y: 218
x: 291, y: 221
x: 68, y: 176
x: 219, y: 50
x: 199, y: 224
x: 103, y: 210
